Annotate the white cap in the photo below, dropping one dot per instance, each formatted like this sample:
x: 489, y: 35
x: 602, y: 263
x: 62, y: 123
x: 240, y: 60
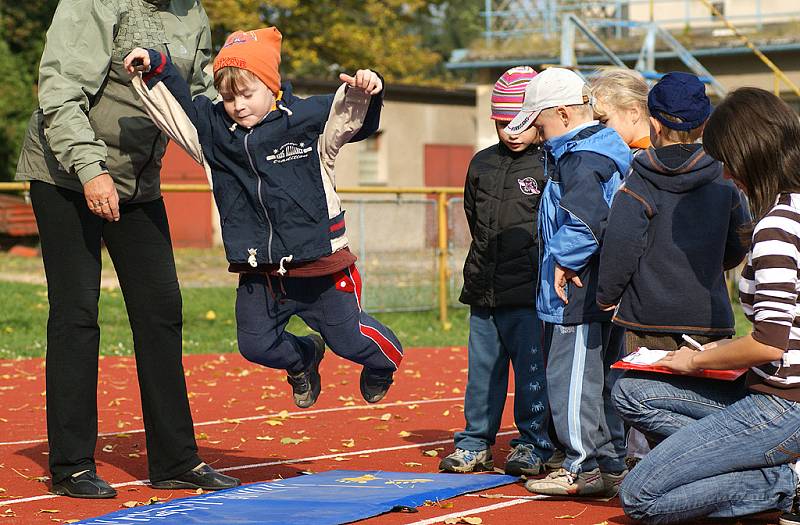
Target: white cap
x: 551, y: 88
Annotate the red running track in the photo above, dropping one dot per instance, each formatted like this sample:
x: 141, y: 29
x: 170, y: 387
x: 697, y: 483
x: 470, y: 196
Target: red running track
x: 247, y: 425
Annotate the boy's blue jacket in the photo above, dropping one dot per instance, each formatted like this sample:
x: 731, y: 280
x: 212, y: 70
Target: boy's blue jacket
x: 589, y: 165
x: 273, y: 183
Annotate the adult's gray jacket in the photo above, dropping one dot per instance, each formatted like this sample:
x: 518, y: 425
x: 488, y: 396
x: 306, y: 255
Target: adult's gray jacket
x: 90, y: 119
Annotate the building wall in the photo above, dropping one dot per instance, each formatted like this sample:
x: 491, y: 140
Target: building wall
x: 680, y: 14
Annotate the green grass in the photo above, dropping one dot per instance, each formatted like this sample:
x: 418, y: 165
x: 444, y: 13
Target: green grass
x: 209, y: 323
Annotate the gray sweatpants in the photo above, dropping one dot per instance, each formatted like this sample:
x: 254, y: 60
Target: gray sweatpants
x: 579, y: 383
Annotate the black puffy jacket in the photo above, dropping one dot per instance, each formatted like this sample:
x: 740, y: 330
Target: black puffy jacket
x: 501, y: 200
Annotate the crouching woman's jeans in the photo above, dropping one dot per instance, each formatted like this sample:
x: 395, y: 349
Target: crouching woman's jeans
x: 730, y: 463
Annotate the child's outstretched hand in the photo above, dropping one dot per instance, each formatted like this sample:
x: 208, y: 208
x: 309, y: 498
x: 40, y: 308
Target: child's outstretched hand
x: 137, y: 60
x: 364, y: 79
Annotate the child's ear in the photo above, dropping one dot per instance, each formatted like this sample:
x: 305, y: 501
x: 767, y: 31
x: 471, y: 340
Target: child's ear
x: 636, y: 114
x: 655, y: 126
x: 563, y: 115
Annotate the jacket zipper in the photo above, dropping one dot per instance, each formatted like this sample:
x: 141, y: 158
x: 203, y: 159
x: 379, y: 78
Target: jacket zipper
x: 260, y: 200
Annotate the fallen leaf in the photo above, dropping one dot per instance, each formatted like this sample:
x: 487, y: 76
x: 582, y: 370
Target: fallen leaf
x: 48, y: 511
x: 340, y: 458
x: 464, y: 519
x: 292, y: 441
x: 264, y: 438
x: 386, y: 417
x: 130, y: 504
x: 431, y: 453
x: 211, y: 315
x: 412, y: 464
x: 349, y: 443
x: 404, y: 434
x: 108, y: 448
x: 155, y: 499
x: 571, y: 517
x: 446, y: 413
x: 273, y: 422
x: 201, y: 435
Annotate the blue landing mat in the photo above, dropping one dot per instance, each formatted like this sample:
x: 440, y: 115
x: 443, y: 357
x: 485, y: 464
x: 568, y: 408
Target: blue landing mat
x: 330, y: 498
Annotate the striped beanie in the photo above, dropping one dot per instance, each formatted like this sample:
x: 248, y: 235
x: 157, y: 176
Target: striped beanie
x: 509, y: 91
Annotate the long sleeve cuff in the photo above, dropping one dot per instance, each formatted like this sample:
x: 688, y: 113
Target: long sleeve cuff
x: 90, y: 171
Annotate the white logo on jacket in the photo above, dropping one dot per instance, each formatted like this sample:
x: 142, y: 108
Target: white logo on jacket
x: 528, y: 186
x: 289, y: 151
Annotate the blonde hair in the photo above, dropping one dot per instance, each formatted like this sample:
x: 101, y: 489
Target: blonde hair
x: 619, y: 89
x: 232, y: 80
x: 678, y: 136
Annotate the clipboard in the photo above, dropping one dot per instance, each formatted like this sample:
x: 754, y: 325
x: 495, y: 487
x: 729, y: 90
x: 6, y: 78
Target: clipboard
x: 642, y: 360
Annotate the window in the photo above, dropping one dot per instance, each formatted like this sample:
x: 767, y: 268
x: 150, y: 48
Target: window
x: 369, y: 165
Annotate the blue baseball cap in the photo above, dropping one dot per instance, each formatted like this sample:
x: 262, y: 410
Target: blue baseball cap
x: 679, y: 95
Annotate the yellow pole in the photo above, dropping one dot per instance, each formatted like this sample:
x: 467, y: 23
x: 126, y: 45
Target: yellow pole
x: 442, y: 213
x: 746, y: 41
x: 652, y: 11
x: 777, y: 86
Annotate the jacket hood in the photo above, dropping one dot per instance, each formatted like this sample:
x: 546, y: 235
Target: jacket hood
x: 598, y: 139
x: 699, y: 170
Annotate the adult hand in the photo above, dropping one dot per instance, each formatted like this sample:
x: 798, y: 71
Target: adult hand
x: 560, y: 278
x: 681, y: 360
x: 367, y: 81
x: 137, y: 60
x: 101, y: 197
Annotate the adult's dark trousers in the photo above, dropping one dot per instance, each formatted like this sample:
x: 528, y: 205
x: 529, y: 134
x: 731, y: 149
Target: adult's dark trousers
x: 141, y: 250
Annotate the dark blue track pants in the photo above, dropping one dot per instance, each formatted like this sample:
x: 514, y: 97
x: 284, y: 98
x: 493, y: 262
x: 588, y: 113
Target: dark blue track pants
x: 329, y: 305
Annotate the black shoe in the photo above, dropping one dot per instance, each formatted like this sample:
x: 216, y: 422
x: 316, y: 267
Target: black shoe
x: 374, y: 384
x: 789, y: 518
x: 205, y: 478
x: 86, y: 485
x: 306, y: 385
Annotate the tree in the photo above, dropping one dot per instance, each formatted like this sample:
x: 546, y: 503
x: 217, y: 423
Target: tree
x: 324, y: 37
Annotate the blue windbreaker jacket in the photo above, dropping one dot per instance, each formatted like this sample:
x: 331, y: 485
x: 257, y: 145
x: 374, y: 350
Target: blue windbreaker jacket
x: 589, y: 166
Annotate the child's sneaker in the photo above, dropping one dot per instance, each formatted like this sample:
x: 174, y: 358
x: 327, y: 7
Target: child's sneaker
x: 306, y: 385
x: 375, y: 383
x: 523, y: 461
x: 564, y: 483
x: 611, y: 482
x: 468, y: 461
x: 556, y: 461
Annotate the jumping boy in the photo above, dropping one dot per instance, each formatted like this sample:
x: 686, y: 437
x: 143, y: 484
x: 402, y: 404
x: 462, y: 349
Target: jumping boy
x: 589, y: 162
x: 271, y: 157
x: 501, y: 197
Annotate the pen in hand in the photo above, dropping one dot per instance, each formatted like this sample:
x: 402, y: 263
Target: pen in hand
x: 692, y: 342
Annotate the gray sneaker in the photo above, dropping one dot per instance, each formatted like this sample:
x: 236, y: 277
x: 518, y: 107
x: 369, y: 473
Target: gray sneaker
x: 556, y: 461
x: 523, y: 461
x: 468, y: 461
x: 306, y: 385
x: 564, y: 483
x: 611, y: 482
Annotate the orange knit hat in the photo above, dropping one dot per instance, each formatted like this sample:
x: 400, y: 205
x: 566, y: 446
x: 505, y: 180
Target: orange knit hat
x: 257, y: 51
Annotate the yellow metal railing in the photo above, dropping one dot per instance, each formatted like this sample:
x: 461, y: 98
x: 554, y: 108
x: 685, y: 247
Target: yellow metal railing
x: 779, y: 75
x: 442, y: 194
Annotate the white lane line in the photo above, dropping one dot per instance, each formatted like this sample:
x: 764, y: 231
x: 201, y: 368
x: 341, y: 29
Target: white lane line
x: 270, y: 416
x: 471, y: 512
x: 268, y: 464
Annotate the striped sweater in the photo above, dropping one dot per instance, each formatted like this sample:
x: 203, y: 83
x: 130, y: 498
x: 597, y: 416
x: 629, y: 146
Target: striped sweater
x: 769, y: 289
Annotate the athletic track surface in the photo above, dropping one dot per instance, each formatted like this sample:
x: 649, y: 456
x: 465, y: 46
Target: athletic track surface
x: 247, y: 426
